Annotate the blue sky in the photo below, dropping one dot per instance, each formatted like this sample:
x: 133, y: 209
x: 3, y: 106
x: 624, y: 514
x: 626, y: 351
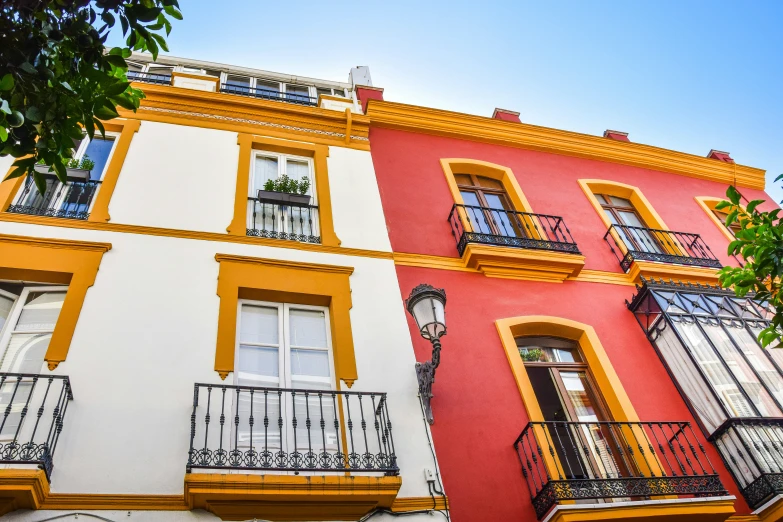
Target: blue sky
x: 684, y: 75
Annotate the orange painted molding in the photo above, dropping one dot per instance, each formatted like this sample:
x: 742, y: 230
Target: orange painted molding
x: 287, y: 497
x: 708, y: 204
x: 676, y: 510
x: 22, y: 489
x: 126, y: 128
x: 247, y: 143
x: 57, y: 261
x: 290, y: 282
x: 439, y: 122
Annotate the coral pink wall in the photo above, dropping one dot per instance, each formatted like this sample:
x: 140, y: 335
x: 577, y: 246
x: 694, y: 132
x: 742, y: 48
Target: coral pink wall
x: 477, y: 407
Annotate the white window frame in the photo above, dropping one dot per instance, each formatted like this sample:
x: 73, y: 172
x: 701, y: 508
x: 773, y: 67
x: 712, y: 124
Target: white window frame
x: 282, y: 167
x: 16, y: 311
x: 284, y: 356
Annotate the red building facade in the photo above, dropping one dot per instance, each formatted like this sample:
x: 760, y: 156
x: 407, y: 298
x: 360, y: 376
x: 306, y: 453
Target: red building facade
x: 551, y: 247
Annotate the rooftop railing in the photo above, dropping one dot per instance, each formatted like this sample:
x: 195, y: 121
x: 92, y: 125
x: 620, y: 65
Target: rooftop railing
x: 565, y: 461
x: 146, y: 77
x: 629, y: 244
x: 257, y: 428
x: 268, y: 94
x: 491, y: 226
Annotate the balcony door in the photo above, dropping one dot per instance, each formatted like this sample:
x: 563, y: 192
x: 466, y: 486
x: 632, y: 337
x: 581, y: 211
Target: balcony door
x: 571, y: 404
x: 488, y: 207
x: 27, y: 319
x: 285, y: 347
x: 621, y: 211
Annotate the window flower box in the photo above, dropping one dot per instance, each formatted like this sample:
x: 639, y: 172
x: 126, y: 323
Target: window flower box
x: 284, y: 197
x: 71, y: 173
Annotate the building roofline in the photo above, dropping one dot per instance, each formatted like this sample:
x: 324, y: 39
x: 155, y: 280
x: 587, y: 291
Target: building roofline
x: 233, y: 69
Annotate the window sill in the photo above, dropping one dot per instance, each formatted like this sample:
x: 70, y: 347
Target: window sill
x: 713, y: 509
x: 22, y: 489
x: 526, y: 264
x: 667, y: 271
x: 289, y: 497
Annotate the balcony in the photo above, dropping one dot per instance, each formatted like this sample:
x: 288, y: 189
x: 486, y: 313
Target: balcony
x: 291, y: 221
x: 268, y: 94
x: 664, y: 254
x: 145, y: 77
x: 72, y: 200
x: 614, y: 461
x: 752, y: 449
x: 517, y: 245
x: 290, y: 454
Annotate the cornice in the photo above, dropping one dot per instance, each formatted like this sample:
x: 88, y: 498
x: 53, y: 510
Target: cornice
x: 412, y: 118
x: 56, y: 243
x: 279, y: 263
x: 293, y: 118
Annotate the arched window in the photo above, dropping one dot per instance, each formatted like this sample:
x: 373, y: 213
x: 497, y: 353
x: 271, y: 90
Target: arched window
x: 488, y: 206
x: 632, y: 227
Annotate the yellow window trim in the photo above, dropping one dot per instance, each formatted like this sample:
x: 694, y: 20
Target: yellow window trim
x: 500, y: 173
x: 56, y: 261
x: 243, y: 277
x: 708, y: 204
x: 607, y: 381
x: 591, y: 187
x: 247, y: 143
x: 100, y: 209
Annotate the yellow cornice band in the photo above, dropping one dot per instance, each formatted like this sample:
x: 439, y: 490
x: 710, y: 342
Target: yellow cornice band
x: 522, y: 135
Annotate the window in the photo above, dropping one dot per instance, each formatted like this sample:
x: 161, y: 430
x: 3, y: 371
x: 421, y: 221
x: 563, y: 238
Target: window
x: 721, y: 216
x: 331, y: 92
x: 276, y: 218
x: 488, y: 207
x: 74, y: 199
x: 28, y: 315
x: 565, y: 393
x: 632, y: 227
x: 284, y: 346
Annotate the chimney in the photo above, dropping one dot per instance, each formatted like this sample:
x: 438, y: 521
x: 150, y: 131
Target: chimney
x: 616, y: 135
x: 720, y: 156
x: 506, y: 115
x: 365, y: 93
x: 360, y: 75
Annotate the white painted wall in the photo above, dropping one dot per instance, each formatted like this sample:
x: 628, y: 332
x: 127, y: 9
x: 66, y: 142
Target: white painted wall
x: 5, y: 165
x: 147, y: 332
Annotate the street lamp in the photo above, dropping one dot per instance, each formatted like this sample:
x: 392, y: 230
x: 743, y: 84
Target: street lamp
x: 427, y: 305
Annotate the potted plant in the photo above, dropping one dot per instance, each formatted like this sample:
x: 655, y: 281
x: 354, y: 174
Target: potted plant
x: 286, y: 190
x: 76, y: 170
x: 533, y: 355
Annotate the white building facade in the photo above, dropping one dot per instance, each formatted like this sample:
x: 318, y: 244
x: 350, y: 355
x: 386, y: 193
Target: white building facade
x: 205, y: 323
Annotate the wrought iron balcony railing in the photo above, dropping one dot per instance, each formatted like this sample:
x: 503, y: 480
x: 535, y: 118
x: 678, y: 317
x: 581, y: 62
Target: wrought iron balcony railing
x: 752, y: 449
x: 293, y: 221
x: 268, y: 94
x: 629, y: 244
x: 613, y: 460
x: 253, y: 428
x: 491, y: 226
x: 71, y: 200
x: 145, y: 77
x: 33, y: 408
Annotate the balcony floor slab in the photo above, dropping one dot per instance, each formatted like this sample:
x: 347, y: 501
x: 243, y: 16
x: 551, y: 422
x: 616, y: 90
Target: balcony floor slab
x: 710, y: 509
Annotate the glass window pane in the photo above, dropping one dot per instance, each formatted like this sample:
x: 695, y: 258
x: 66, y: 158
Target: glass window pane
x: 98, y: 150
x: 267, y: 86
x: 41, y: 311
x: 259, y: 324
x: 298, y: 170
x: 631, y: 219
x: 620, y: 202
x: 549, y: 349
x: 308, y: 328
x: 576, y: 386
x: 310, y: 363
x: 755, y: 354
x: 6, y: 303
x: 25, y: 353
x: 301, y: 90
x: 257, y: 361
x: 265, y: 169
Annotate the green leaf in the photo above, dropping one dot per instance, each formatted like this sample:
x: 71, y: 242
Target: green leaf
x: 172, y: 12
x: 15, y: 119
x: 733, y: 195
x: 4, y: 107
x: 17, y: 172
x: 722, y: 204
x: 3, y: 134
x: 28, y: 68
x: 33, y: 114
x: 753, y: 204
x: 40, y: 183
x: 117, y: 61
x: 116, y: 89
x: 106, y: 113
x: 780, y: 177
x: 161, y: 41
x: 7, y: 82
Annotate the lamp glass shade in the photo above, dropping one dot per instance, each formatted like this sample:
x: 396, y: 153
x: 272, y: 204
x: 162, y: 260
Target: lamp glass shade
x: 430, y: 317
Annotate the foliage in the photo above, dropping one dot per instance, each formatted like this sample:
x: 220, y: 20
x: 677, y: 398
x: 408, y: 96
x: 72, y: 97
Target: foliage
x: 288, y: 185
x: 760, y: 243
x: 530, y: 355
x: 58, y: 80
